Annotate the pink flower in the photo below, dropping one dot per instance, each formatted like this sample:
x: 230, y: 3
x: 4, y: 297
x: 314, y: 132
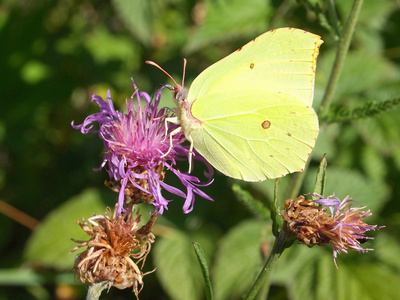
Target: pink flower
x: 136, y: 144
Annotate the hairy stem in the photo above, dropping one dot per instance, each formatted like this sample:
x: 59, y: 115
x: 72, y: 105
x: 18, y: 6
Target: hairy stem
x: 95, y: 290
x: 276, y: 252
x: 343, y: 47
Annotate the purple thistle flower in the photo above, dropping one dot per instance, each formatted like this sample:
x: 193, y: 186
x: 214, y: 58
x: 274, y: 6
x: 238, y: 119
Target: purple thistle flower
x: 136, y: 143
x: 343, y: 228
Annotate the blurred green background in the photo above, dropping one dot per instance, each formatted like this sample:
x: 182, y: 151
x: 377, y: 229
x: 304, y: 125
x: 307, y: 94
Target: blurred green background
x: 55, y: 54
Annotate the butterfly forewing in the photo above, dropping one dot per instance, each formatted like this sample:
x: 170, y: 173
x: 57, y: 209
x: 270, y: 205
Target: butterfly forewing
x: 281, y: 60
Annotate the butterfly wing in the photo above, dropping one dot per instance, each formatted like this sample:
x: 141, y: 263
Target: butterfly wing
x: 281, y: 60
x: 250, y: 113
x: 247, y: 137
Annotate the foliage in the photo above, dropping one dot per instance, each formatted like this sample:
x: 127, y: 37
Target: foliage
x: 55, y: 54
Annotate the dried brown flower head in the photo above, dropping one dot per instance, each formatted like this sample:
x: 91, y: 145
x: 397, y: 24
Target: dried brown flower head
x: 302, y: 218
x: 312, y: 225
x: 115, y: 250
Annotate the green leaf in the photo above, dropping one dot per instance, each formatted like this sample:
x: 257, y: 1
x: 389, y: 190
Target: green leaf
x: 293, y: 261
x: 267, y: 188
x: 377, y: 281
x: 374, y: 18
x: 276, y: 222
x: 137, y: 16
x: 20, y: 277
x: 177, y: 266
x: 50, y: 243
x: 373, y: 163
x: 309, y: 277
x: 320, y: 180
x: 326, y: 13
x: 226, y: 20
x: 309, y: 273
x: 382, y: 133
x: 204, y: 268
x: 362, y: 72
x: 254, y: 205
x: 105, y: 47
x: 374, y: 14
x: 28, y: 277
x: 387, y: 248
x: 327, y: 142
x: 238, y: 259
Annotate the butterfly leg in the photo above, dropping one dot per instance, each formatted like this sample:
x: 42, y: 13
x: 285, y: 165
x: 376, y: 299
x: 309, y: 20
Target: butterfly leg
x: 173, y: 120
x: 173, y: 132
x: 190, y: 153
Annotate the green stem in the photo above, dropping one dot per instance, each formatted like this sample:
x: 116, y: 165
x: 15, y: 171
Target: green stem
x: 341, y: 54
x: 333, y: 17
x: 298, y: 182
x: 95, y: 290
x: 277, y: 250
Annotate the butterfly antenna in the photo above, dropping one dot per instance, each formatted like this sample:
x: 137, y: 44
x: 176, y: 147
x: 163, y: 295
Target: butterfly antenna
x: 184, y: 71
x: 157, y: 66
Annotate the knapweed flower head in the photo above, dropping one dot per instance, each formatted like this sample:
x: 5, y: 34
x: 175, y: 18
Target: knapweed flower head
x: 138, y: 151
x: 327, y: 220
x: 116, y: 248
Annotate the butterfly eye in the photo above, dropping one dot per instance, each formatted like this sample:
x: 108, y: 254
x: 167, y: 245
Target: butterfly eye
x: 180, y: 94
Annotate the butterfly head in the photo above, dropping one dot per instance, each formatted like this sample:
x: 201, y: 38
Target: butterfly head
x: 180, y: 95
x: 178, y: 91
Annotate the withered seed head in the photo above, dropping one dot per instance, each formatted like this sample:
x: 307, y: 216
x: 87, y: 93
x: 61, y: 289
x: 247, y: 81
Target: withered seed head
x: 303, y: 218
x: 342, y: 227
x: 114, y: 251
